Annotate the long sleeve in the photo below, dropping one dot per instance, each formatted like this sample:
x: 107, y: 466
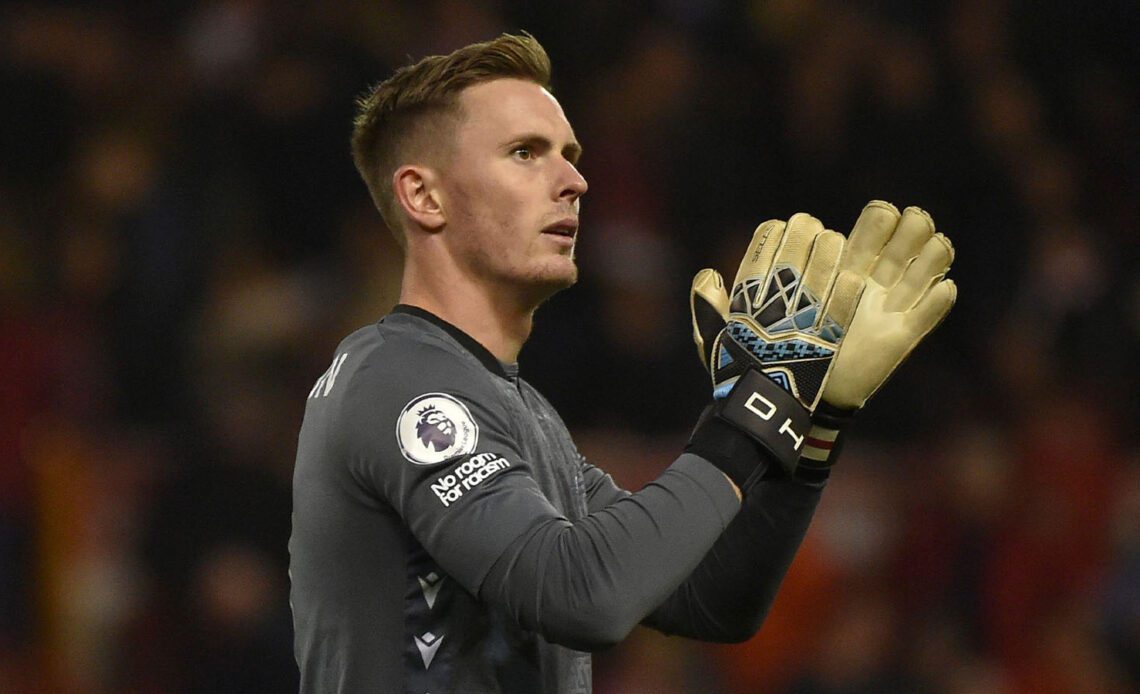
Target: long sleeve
x: 587, y: 584
x: 728, y: 595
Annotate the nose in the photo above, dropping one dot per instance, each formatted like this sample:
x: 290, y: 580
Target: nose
x: 573, y: 185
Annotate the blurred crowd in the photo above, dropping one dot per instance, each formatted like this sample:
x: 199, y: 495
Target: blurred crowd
x: 183, y: 242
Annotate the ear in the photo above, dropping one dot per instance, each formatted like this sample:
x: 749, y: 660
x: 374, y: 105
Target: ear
x: 416, y: 189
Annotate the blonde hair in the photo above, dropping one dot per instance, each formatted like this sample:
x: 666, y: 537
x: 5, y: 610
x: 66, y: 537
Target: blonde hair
x: 409, y: 114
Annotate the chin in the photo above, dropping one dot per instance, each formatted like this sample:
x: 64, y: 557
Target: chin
x: 553, y: 279
x: 565, y: 274
x: 558, y: 282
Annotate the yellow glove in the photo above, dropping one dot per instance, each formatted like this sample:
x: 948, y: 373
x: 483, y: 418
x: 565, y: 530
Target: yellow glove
x: 827, y: 321
x: 903, y: 263
x: 770, y: 349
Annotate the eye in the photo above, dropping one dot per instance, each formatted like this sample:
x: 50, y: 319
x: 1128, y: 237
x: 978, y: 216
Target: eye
x: 523, y: 152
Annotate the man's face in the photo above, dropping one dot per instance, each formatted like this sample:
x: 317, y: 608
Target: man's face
x: 511, y: 189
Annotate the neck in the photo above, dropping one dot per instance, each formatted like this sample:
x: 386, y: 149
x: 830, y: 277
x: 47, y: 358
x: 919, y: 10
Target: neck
x: 498, y: 320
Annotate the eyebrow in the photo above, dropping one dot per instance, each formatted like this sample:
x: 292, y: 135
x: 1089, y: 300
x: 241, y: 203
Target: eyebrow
x: 572, y: 152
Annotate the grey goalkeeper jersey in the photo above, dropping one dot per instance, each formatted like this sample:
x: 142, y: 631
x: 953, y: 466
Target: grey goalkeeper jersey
x: 448, y: 536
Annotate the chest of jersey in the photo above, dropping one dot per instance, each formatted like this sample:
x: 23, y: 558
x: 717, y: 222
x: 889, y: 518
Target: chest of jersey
x: 543, y: 440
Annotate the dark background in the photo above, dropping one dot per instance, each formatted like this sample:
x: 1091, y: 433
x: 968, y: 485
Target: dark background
x: 183, y: 242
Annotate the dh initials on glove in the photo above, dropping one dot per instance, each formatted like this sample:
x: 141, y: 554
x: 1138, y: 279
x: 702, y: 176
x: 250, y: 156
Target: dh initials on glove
x: 770, y: 348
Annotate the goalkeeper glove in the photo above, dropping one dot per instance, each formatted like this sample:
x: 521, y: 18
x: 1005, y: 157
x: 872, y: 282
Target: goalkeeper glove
x: 889, y: 292
x: 770, y: 348
x: 904, y: 263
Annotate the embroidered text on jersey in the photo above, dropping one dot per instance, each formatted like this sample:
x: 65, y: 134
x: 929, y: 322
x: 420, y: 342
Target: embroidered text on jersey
x: 467, y: 475
x: 435, y: 427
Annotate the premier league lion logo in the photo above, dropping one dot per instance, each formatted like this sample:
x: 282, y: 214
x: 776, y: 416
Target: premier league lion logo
x: 435, y: 430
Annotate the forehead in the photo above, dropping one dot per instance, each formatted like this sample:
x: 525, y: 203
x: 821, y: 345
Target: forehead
x: 506, y: 107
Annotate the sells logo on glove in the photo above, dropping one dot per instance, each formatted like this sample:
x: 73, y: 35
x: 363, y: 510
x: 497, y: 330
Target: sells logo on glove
x: 435, y: 427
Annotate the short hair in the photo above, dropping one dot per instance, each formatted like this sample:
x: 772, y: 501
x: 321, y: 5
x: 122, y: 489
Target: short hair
x: 407, y: 113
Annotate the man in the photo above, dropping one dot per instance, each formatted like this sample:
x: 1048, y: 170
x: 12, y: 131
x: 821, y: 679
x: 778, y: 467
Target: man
x: 447, y: 535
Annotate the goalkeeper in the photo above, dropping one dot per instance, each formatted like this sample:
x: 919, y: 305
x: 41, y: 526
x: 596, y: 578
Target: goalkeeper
x: 447, y: 535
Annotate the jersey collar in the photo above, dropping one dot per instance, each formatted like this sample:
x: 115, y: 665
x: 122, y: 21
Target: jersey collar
x: 466, y: 341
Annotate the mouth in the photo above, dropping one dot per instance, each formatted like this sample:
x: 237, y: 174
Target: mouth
x: 567, y: 228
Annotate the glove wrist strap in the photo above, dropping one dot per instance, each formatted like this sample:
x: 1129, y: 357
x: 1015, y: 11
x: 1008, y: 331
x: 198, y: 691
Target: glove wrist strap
x: 768, y: 414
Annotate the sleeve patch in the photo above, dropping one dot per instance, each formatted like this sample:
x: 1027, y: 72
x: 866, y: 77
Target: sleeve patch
x: 435, y: 427
x: 467, y: 475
